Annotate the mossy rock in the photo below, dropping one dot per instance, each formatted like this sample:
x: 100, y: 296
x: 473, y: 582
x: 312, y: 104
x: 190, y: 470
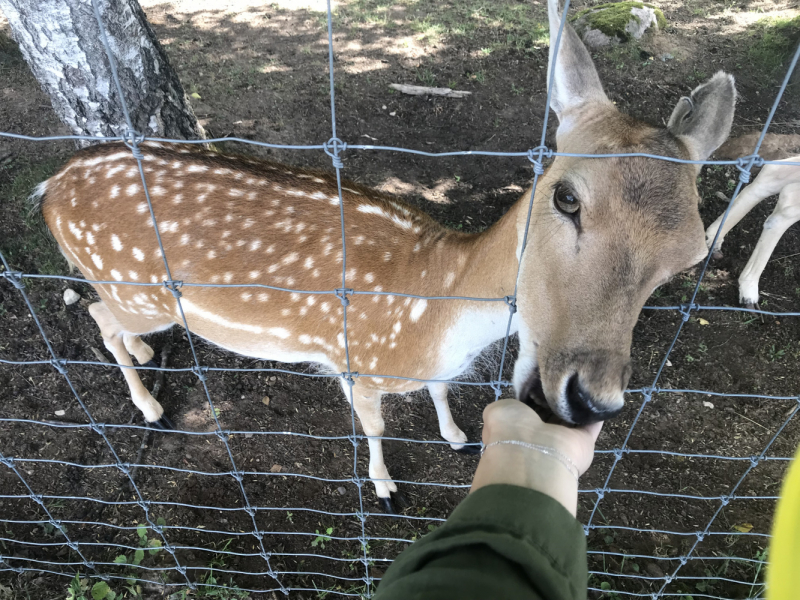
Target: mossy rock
x: 617, y: 22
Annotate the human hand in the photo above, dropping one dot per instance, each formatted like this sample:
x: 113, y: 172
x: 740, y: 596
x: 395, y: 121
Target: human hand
x: 513, y: 420
x: 508, y: 420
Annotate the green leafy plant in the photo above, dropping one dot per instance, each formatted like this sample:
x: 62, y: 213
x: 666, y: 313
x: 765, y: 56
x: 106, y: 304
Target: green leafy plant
x: 322, y: 538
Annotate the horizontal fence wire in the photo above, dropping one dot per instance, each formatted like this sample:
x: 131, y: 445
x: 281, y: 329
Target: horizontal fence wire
x: 176, y: 574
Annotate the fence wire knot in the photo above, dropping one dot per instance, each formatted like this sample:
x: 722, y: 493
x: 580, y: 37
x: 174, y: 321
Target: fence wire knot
x: 535, y: 155
x: 686, y: 310
x: 89, y: 565
x: 601, y: 492
x: 223, y: 435
x: 72, y: 545
x: 266, y: 555
x: 38, y: 499
x: 586, y: 529
x: 174, y: 287
x: 725, y: 500
x: 618, y: 453
x: 132, y: 138
x: 700, y: 535
x: 332, y: 148
x: 754, y: 460
x: 250, y: 510
x: 683, y: 560
x: 648, y: 394
x: 99, y: 428
x: 8, y: 462
x: 15, y: 278
x: 60, y: 365
x: 746, y: 163
x: 342, y: 294
x: 511, y: 301
x: 200, y: 371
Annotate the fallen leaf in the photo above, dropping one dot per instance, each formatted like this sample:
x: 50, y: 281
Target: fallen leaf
x: 702, y: 321
x: 744, y: 527
x: 60, y: 413
x: 265, y: 401
x: 195, y: 95
x: 708, y: 404
x: 276, y: 469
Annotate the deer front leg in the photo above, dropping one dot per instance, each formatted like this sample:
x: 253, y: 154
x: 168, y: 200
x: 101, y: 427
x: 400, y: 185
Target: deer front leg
x: 447, y: 427
x: 367, y: 404
x: 134, y: 345
x: 786, y: 214
x: 113, y: 338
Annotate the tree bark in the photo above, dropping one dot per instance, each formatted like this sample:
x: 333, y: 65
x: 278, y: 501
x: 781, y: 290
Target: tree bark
x: 60, y: 40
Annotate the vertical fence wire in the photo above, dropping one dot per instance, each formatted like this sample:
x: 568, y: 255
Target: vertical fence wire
x: 334, y: 148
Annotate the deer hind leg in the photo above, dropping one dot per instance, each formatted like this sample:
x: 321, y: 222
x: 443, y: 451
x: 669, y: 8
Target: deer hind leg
x: 786, y: 214
x: 447, y: 427
x: 769, y: 182
x: 367, y: 404
x: 114, y: 339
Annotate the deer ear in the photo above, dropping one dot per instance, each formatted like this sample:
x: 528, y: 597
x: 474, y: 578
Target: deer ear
x: 575, y: 79
x: 703, y: 120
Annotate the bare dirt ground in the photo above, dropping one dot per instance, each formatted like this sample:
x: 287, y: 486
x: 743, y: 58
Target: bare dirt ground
x: 259, y: 71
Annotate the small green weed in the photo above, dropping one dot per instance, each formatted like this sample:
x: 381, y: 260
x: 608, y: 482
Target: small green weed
x: 773, y: 42
x: 322, y: 538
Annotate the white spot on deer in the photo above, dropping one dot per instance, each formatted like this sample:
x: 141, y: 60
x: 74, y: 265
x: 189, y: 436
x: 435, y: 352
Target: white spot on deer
x: 290, y: 258
x: 74, y: 230
x: 286, y: 312
x: 397, y: 327
x: 177, y: 198
x: 199, y: 244
x: 263, y: 297
x: 318, y: 196
x: 116, y: 274
x: 197, y: 169
x: 325, y: 307
x: 273, y: 268
x: 248, y: 223
x: 178, y: 185
x: 153, y: 278
x: 116, y: 243
x: 419, y: 307
x: 132, y: 189
x: 448, y: 280
x: 315, y: 273
x: 334, y: 200
x: 215, y: 279
x: 138, y: 254
x: 168, y: 226
x: 97, y: 261
x: 294, y: 296
x: 157, y: 190
x: 304, y: 339
x: 225, y: 233
x: 211, y: 254
x: 209, y: 222
x: 185, y: 239
x: 271, y: 249
x: 422, y: 275
x: 374, y: 362
x: 340, y: 339
x: 222, y: 171
x: 308, y: 263
x: 311, y: 300
x: 90, y: 238
x: 234, y: 193
x: 246, y: 296
x: 133, y: 275
x: 254, y: 274
x: 254, y: 245
x: 389, y: 300
x: 115, y: 294
x: 350, y: 274
x: 369, y: 277
x: 387, y: 256
x: 141, y: 208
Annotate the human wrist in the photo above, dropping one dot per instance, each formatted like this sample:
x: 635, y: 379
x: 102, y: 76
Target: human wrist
x: 525, y: 467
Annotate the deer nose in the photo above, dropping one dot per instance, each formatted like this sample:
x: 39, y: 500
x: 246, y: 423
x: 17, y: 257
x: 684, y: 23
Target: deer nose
x: 583, y: 407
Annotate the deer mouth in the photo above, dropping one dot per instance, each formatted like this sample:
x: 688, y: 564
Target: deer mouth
x: 532, y: 394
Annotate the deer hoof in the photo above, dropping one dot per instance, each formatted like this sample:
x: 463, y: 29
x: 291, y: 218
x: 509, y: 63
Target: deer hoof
x: 717, y: 256
x: 387, y: 506
x: 469, y: 450
x: 152, y: 364
x: 163, y: 424
x: 751, y: 306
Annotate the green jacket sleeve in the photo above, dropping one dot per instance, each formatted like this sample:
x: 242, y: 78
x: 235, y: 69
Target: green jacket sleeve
x: 502, y: 542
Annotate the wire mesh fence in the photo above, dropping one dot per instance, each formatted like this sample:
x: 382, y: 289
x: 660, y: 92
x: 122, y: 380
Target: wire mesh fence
x: 246, y: 547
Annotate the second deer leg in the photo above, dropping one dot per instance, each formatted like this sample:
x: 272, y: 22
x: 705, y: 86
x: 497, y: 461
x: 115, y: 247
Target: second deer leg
x: 786, y: 214
x: 134, y: 344
x: 113, y: 337
x: 447, y: 427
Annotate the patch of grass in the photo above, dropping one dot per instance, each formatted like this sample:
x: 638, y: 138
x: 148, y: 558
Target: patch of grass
x: 32, y: 247
x: 512, y: 25
x: 774, y: 40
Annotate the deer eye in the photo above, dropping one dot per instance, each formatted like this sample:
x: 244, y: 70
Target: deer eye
x: 565, y: 201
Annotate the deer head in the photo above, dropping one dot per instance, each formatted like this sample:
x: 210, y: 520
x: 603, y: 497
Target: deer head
x: 605, y: 232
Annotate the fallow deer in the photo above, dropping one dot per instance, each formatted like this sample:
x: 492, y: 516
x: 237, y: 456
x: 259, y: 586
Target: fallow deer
x: 603, y: 234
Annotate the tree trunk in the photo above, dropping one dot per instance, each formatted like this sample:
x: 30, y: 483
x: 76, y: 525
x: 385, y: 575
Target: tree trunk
x: 60, y: 40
